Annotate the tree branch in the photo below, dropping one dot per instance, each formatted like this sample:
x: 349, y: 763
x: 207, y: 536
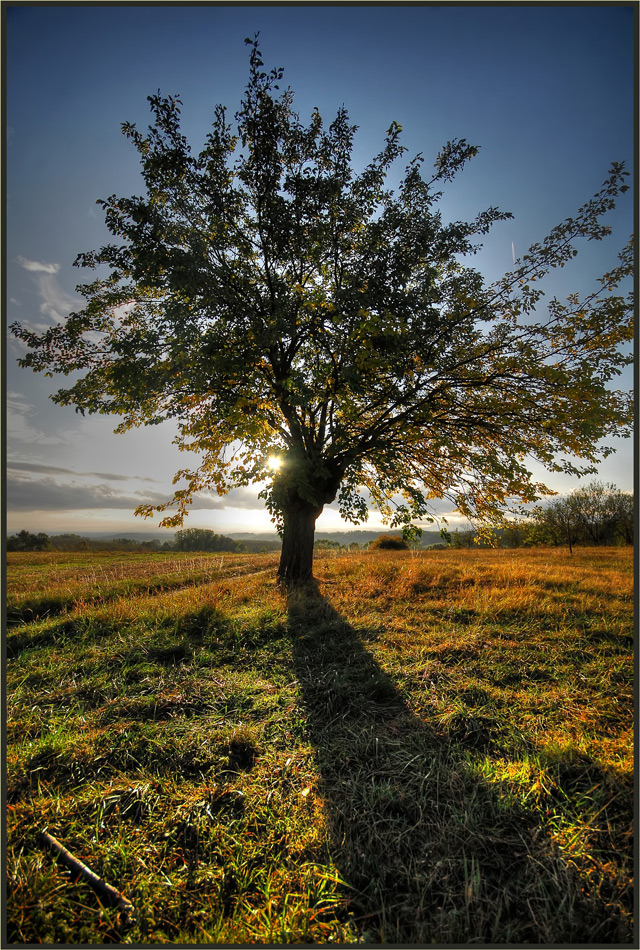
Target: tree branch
x: 105, y: 891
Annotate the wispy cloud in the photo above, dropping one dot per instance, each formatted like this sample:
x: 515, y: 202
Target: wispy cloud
x: 38, y: 266
x: 22, y: 430
x: 54, y: 492
x: 56, y: 304
x: 47, y: 494
x: 237, y: 498
x: 40, y: 468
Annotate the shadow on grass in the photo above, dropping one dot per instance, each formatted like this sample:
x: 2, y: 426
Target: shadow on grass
x: 16, y: 643
x: 430, y: 851
x: 43, y: 607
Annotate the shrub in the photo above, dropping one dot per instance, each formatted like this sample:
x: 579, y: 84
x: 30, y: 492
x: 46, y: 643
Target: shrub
x: 388, y: 542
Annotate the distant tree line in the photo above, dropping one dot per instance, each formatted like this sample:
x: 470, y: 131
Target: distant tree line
x: 25, y: 541
x: 384, y: 542
x: 201, y: 539
x: 191, y: 539
x: 597, y: 514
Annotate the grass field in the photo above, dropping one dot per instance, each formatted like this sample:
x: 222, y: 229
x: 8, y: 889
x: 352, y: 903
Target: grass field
x: 434, y: 748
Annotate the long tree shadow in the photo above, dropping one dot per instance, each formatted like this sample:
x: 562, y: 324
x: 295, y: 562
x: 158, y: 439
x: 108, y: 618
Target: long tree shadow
x: 429, y: 850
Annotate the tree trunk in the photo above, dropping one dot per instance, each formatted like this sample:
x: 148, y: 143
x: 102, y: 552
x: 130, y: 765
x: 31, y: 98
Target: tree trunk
x: 296, y: 560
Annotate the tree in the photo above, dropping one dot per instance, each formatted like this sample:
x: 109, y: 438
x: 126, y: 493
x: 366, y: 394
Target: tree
x: 559, y: 523
x: 514, y: 534
x: 596, y: 510
x: 464, y: 538
x: 312, y: 330
x: 26, y: 541
x: 153, y: 545
x: 70, y: 542
x: 201, y: 539
x: 625, y: 516
x: 594, y: 514
x: 324, y: 544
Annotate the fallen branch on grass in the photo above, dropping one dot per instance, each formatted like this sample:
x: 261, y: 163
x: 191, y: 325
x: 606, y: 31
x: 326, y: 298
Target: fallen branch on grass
x: 105, y: 891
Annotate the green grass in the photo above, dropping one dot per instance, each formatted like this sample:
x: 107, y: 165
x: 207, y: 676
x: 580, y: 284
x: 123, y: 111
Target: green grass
x: 433, y: 748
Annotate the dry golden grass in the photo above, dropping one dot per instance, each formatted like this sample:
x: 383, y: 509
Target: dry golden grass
x: 433, y: 747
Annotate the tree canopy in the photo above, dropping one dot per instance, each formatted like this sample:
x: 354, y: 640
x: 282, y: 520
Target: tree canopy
x: 201, y: 539
x: 26, y: 541
x: 316, y: 332
x: 596, y: 513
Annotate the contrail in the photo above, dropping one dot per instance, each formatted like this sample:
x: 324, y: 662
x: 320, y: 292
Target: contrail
x: 513, y: 252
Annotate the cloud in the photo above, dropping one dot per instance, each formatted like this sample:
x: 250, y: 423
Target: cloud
x: 46, y: 494
x: 18, y: 402
x: 26, y: 493
x: 38, y: 266
x: 56, y: 304
x: 237, y: 498
x: 54, y: 470
x: 21, y: 429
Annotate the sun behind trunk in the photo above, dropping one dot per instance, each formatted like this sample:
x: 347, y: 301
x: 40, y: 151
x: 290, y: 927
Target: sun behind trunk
x: 301, y: 489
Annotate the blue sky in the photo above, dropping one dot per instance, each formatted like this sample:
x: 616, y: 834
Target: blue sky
x: 546, y: 91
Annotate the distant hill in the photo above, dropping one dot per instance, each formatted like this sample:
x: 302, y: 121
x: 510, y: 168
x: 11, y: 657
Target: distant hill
x: 256, y: 541
x: 342, y: 537
x: 133, y: 535
x: 254, y: 535
x: 363, y: 537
